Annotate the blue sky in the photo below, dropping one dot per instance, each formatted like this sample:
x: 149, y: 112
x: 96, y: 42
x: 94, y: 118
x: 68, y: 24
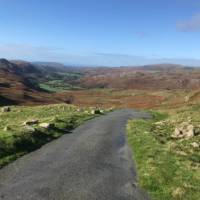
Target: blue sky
x: 101, y: 32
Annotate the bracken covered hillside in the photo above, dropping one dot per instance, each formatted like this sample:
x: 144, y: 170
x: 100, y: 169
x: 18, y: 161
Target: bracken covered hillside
x: 19, y: 84
x: 146, y: 77
x: 135, y: 87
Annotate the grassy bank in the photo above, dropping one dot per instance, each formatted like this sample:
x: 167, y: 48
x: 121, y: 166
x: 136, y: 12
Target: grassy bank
x: 24, y: 129
x: 168, y: 167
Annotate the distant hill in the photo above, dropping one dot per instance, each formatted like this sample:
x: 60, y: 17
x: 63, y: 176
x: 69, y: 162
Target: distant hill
x: 24, y: 68
x: 19, y: 67
x: 161, y: 67
x: 50, y: 66
x: 54, y: 67
x: 22, y: 82
x: 159, y: 76
x: 19, y: 83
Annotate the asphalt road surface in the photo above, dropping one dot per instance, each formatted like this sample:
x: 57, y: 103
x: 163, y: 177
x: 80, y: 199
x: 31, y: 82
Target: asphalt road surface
x: 92, y: 163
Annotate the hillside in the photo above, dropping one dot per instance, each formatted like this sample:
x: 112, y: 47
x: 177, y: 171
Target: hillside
x: 20, y: 84
x: 147, y: 86
x: 13, y: 83
x: 145, y: 77
x: 23, y: 82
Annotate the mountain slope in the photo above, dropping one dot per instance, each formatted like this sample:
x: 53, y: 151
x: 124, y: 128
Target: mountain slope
x: 166, y: 76
x: 20, y: 82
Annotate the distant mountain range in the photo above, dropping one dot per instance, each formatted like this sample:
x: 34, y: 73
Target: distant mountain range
x: 20, y: 81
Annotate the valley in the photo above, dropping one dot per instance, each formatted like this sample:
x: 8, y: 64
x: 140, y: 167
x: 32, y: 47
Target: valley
x: 67, y: 96
x: 24, y: 83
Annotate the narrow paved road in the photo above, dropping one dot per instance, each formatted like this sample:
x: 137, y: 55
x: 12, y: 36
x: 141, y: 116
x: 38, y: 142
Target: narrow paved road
x: 92, y: 163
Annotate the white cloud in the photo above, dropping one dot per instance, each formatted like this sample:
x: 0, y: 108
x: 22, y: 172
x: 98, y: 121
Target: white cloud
x: 191, y: 25
x: 53, y: 54
x: 24, y: 51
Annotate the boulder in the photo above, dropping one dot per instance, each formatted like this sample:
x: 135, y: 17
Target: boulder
x: 189, y: 119
x: 184, y: 125
x: 195, y: 145
x: 111, y: 109
x: 178, y: 193
x: 197, y: 131
x: 6, y: 109
x: 187, y: 98
x: 159, y: 123
x: 184, y: 131
x: 46, y: 125
x: 79, y: 110
x: 189, y: 132
x: 30, y: 128
x: 96, y: 112
x: 31, y: 122
x: 92, y: 112
x: 86, y: 112
x: 178, y: 133
x: 7, y: 128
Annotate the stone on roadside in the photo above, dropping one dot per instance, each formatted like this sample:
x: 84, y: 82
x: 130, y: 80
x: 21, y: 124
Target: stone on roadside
x: 160, y: 123
x: 178, y: 193
x: 6, y: 109
x: 111, y: 109
x: 30, y: 128
x: 195, y: 145
x: 7, y: 128
x: 186, y: 130
x: 189, y: 133
x: 80, y: 110
x: 184, y: 124
x: 95, y: 112
x: 177, y: 133
x: 189, y: 119
x: 197, y: 131
x: 86, y: 112
x: 30, y: 122
x: 46, y: 125
x: 92, y: 112
x: 187, y: 98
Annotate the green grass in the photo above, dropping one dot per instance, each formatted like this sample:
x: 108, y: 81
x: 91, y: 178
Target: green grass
x: 16, y: 140
x: 57, y: 86
x: 58, y: 82
x: 168, y: 169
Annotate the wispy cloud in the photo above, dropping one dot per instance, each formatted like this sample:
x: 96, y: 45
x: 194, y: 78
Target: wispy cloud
x: 191, y: 25
x: 54, y: 54
x: 35, y: 53
x: 13, y: 51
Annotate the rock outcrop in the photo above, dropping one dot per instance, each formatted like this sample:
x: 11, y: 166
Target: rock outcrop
x: 185, y: 130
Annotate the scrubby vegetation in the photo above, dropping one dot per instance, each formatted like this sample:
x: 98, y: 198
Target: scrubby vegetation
x: 24, y: 129
x: 168, y: 166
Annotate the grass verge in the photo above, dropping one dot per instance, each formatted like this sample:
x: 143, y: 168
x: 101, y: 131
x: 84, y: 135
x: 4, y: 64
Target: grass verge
x: 17, y: 139
x: 168, y: 168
